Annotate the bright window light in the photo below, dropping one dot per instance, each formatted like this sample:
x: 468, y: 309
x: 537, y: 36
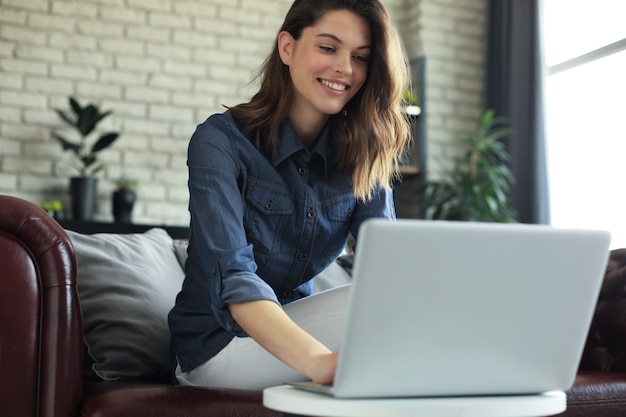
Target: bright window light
x: 586, y: 116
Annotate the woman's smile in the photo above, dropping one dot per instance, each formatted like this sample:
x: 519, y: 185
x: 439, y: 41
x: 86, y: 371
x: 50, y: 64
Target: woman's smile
x: 328, y: 65
x: 335, y: 86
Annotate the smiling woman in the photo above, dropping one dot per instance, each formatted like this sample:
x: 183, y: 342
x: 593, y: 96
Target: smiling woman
x: 373, y: 120
x: 276, y: 186
x: 328, y: 66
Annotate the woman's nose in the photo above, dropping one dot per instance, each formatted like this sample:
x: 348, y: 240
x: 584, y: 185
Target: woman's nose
x: 344, y: 63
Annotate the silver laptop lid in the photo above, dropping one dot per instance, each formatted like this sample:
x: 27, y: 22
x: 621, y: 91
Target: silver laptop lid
x: 457, y: 308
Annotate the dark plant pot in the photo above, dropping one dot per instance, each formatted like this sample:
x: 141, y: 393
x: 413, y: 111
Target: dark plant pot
x: 123, y: 202
x: 83, y: 192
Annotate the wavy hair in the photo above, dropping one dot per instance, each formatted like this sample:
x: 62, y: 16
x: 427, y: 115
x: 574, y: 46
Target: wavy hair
x: 371, y: 133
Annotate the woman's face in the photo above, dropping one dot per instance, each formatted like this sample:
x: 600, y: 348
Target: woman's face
x: 328, y: 64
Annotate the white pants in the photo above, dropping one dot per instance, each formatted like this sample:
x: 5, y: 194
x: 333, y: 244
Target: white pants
x: 244, y: 364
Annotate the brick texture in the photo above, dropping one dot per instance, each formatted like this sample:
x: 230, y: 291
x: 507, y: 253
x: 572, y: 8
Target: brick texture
x: 163, y: 66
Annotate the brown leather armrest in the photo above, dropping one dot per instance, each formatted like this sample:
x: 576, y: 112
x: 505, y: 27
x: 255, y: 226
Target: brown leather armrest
x: 40, y: 316
x: 605, y: 349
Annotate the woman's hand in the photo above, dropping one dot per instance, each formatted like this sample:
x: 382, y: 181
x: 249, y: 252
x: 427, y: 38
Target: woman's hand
x: 268, y: 324
x: 322, y: 368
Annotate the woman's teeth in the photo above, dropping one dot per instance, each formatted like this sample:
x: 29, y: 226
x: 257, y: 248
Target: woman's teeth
x: 334, y: 86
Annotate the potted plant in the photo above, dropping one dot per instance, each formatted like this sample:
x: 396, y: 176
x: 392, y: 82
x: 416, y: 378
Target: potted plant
x: 54, y: 208
x: 410, y: 101
x: 477, y: 186
x: 83, y: 187
x: 410, y: 105
x: 124, y: 198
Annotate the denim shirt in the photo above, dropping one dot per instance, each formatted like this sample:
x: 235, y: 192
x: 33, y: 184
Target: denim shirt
x: 262, y: 226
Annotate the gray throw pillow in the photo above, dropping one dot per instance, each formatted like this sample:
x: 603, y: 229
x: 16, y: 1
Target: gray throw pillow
x: 127, y: 284
x: 180, y: 249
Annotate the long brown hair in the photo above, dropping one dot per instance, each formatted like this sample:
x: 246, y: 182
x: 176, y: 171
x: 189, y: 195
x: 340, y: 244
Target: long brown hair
x: 371, y: 133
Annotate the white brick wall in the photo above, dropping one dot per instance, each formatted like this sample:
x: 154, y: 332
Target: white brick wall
x: 453, y: 36
x: 163, y: 66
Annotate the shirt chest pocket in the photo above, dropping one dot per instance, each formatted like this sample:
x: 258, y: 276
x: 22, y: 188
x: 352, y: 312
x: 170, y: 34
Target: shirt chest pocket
x: 269, y: 209
x: 339, y: 212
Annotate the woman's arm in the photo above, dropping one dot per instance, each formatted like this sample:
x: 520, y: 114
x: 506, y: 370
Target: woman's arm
x: 271, y: 327
x: 239, y: 298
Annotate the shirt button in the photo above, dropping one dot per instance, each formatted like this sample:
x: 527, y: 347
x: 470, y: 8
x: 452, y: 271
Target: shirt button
x: 311, y: 214
x: 287, y: 293
x: 269, y: 205
x: 303, y: 256
x: 302, y: 170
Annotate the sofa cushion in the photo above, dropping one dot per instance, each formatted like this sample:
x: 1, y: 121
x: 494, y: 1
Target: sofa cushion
x: 139, y: 399
x: 597, y: 394
x: 127, y: 283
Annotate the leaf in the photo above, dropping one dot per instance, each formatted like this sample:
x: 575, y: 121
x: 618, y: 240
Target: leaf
x: 75, y: 106
x: 88, y: 160
x: 496, y: 135
x: 487, y: 117
x: 66, y: 144
x: 87, y: 119
x: 103, y: 115
x: 67, y: 119
x: 485, y: 123
x: 104, y: 142
x: 94, y: 118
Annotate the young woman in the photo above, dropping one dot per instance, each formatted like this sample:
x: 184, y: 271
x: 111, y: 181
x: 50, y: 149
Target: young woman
x: 276, y: 186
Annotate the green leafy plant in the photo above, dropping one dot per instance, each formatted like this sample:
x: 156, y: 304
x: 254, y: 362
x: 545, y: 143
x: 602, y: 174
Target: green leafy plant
x: 125, y: 183
x: 410, y: 101
x: 52, y: 206
x: 477, y: 187
x: 85, y: 120
x: 409, y: 98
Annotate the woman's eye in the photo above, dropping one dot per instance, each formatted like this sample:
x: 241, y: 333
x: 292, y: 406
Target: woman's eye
x: 327, y: 48
x: 360, y: 58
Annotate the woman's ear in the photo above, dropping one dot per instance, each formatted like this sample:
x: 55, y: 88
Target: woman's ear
x: 285, y: 47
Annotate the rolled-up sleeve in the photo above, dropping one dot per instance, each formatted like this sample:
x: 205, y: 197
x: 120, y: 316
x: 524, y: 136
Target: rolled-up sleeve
x: 221, y: 259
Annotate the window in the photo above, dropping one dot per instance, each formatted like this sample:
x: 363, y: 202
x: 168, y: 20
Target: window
x: 585, y: 52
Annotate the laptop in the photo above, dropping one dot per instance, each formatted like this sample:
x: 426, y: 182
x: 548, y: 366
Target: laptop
x: 440, y: 308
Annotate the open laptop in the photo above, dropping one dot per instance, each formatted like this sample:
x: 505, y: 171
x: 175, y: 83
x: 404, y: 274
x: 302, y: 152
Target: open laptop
x: 456, y: 308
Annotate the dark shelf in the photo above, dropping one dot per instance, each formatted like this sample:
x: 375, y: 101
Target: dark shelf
x: 91, y: 227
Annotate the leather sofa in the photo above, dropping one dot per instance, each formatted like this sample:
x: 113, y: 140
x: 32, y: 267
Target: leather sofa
x: 600, y: 386
x: 41, y: 341
x: 41, y: 338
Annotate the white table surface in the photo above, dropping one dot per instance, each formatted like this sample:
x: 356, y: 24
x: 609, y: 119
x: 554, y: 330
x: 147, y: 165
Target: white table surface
x: 296, y: 401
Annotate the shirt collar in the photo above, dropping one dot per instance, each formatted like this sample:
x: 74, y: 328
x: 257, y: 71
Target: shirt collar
x: 289, y: 143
